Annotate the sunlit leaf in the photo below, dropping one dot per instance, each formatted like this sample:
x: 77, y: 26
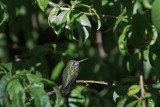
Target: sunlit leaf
x: 82, y: 23
x: 122, y: 41
x: 147, y: 4
x: 60, y: 21
x: 83, y: 26
x: 146, y: 95
x: 151, y: 102
x: 134, y: 89
x: 75, y: 3
x: 43, y: 4
x: 52, y: 15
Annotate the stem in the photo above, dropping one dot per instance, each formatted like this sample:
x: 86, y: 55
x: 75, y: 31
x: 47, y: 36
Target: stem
x: 85, y: 82
x: 51, y: 4
x: 141, y: 83
x: 91, y: 82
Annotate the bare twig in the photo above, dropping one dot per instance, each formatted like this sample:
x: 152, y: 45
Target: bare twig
x: 51, y: 4
x: 141, y: 83
x: 103, y: 15
x: 91, y: 82
x: 99, y: 42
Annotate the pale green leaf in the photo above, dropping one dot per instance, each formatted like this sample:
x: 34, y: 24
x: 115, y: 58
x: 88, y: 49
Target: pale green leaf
x: 43, y: 4
x: 134, y: 89
x: 122, y: 41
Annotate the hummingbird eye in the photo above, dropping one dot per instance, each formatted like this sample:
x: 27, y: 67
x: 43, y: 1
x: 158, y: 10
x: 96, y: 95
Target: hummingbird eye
x: 74, y: 63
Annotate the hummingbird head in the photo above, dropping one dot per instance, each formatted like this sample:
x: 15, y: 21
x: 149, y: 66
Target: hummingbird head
x: 75, y: 63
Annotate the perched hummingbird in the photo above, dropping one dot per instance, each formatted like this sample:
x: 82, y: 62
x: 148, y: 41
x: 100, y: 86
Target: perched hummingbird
x: 69, y: 75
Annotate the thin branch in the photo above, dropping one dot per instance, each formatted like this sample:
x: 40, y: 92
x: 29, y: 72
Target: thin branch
x: 103, y: 15
x: 84, y: 82
x: 51, y: 4
x: 91, y: 82
x: 141, y: 83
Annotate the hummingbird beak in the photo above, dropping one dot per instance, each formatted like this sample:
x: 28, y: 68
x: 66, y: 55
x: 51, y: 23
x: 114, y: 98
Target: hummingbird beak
x: 82, y: 60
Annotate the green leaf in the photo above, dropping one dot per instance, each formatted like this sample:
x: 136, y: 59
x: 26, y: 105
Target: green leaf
x: 121, y: 18
x: 154, y: 35
x: 69, y: 26
x: 75, y: 3
x: 7, y: 67
x: 43, y: 4
x: 82, y: 23
x: 79, y: 97
x: 134, y: 89
x: 122, y: 102
x: 147, y: 4
x: 16, y: 93
x: 151, y: 102
x: 41, y: 98
x: 60, y: 21
x: 119, y: 92
x: 98, y: 18
x: 57, y: 70
x: 3, y: 84
x: 133, y: 61
x: 53, y: 14
x: 83, y: 26
x: 147, y: 95
x: 156, y: 14
x: 56, y: 90
x: 115, y: 96
x: 131, y: 104
x: 122, y: 41
x: 139, y: 104
x: 3, y: 13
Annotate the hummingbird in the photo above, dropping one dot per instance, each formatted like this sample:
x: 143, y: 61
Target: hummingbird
x: 69, y: 75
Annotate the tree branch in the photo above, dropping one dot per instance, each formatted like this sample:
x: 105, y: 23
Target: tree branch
x: 51, y: 4
x: 91, y: 82
x: 84, y: 82
x: 141, y: 83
